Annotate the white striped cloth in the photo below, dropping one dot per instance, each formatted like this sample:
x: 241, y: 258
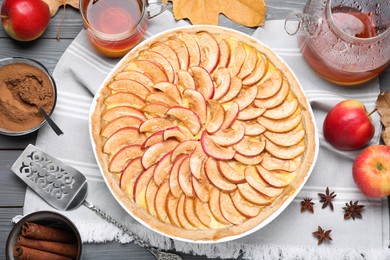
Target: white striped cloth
x: 79, y: 74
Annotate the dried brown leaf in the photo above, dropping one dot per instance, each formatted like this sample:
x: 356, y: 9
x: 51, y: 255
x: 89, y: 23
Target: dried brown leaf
x: 383, y: 107
x: 250, y: 13
x: 55, y: 4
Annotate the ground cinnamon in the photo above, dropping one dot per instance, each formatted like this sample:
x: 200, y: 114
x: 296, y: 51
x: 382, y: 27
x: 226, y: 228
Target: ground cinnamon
x: 23, y: 88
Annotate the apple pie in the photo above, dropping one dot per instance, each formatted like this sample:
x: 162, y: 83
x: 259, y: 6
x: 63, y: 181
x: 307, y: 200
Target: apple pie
x: 203, y: 134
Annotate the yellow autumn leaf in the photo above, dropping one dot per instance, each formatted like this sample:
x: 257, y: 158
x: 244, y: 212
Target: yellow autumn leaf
x: 383, y: 107
x: 55, y: 4
x: 250, y: 13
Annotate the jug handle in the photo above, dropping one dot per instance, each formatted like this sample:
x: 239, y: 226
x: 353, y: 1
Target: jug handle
x: 308, y: 24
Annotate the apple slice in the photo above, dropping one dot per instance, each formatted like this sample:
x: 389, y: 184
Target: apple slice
x: 282, y: 152
x: 121, y: 138
x: 250, y: 62
x: 160, y: 60
x: 203, y: 81
x: 270, y: 86
x: 250, y: 113
x: 258, y: 72
x: 131, y: 86
x: 174, y: 176
x: 251, y: 195
x: 281, y: 125
x: 216, y: 178
x: 231, y: 174
x: 124, y: 99
x: 186, y: 147
x: 171, y: 208
x: 215, y: 116
x: 116, y: 112
x: 168, y: 53
x: 149, y: 69
x: 234, y: 90
x: 185, y: 80
x: 248, y: 160
x: 271, y: 163
x: 286, y: 109
x: 181, y: 50
x: 197, y: 103
x: 203, y: 213
x: 224, y: 53
x: 119, y: 161
x: 192, y: 47
x: 229, y: 137
x: 243, y: 206
x: 189, y: 118
x: 176, y: 133
x: 215, y: 206
x: 153, y: 139
x: 276, y: 99
x: 118, y: 123
x: 155, y: 124
x: 160, y: 202
x: 277, y: 178
x: 209, y: 51
x: 161, y: 98
x: 246, y: 97
x: 136, y: 76
x: 252, y: 128
x: 250, y: 146
x: 197, y: 158
x: 237, y: 58
x: 201, y: 188
x: 230, y: 116
x: 184, y: 223
x: 222, y: 79
x: 130, y: 175
x: 185, y: 179
x: 155, y: 109
x: 215, y: 151
x: 163, y: 169
x: 150, y: 197
x: 169, y: 89
x: 286, y: 138
x: 255, y: 180
x: 189, y: 212
x: 140, y: 186
x: 155, y: 152
x: 229, y: 211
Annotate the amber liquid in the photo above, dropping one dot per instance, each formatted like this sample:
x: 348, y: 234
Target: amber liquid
x: 120, y: 20
x: 345, y: 67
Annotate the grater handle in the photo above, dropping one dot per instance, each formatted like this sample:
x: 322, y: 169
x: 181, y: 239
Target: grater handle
x: 137, y: 240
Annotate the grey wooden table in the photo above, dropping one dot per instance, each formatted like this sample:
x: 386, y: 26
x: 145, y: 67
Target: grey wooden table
x: 48, y: 50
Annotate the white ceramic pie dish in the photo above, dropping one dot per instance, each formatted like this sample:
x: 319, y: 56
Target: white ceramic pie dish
x: 275, y: 213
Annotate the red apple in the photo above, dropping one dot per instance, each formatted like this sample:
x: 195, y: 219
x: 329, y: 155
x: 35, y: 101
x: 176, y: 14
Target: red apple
x: 348, y: 126
x: 25, y: 20
x: 371, y: 171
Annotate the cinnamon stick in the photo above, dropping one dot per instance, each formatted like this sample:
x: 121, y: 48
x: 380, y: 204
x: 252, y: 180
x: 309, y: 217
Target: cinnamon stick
x: 65, y: 249
x: 25, y: 253
x: 37, y: 231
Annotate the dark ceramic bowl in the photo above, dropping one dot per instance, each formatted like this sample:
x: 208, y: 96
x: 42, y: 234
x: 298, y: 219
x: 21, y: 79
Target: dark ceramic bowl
x: 40, y: 66
x: 46, y: 218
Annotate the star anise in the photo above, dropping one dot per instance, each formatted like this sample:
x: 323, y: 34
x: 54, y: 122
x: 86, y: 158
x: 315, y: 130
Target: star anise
x: 322, y: 235
x: 327, y: 198
x: 306, y: 204
x: 352, y: 210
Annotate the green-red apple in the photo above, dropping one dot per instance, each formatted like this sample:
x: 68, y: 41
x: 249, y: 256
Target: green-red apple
x: 371, y: 171
x: 348, y: 126
x: 25, y: 20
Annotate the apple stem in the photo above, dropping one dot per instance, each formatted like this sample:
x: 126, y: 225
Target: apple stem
x: 62, y: 21
x: 373, y: 111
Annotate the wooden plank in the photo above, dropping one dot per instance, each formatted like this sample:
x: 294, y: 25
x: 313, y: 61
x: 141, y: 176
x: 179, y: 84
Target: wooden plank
x: 17, y: 142
x: 12, y: 188
x: 6, y: 215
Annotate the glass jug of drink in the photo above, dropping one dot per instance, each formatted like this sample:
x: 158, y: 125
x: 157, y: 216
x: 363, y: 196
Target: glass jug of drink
x: 346, y: 42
